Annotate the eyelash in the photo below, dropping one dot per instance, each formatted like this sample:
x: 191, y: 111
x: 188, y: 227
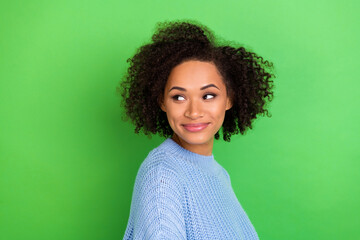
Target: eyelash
x: 175, y: 97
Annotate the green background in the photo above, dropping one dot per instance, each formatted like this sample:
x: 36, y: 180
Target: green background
x: 68, y: 162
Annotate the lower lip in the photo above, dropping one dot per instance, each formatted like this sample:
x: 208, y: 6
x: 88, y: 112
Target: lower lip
x: 195, y: 128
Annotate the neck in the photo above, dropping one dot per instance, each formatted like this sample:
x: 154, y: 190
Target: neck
x: 202, y: 149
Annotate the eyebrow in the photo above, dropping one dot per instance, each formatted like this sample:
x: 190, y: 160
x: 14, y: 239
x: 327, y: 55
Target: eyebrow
x: 202, y: 88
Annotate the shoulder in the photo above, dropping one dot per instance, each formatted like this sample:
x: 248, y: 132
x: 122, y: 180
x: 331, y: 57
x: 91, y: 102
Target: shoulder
x: 157, y: 203
x: 159, y: 169
x: 161, y: 158
x: 227, y: 176
x: 156, y: 160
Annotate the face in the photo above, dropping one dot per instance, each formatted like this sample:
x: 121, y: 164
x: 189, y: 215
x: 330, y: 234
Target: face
x: 195, y: 102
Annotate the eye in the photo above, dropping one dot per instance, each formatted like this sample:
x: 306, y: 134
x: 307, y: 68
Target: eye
x: 209, y: 96
x: 178, y: 98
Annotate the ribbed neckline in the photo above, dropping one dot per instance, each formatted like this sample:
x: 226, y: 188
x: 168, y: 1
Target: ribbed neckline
x: 203, y: 162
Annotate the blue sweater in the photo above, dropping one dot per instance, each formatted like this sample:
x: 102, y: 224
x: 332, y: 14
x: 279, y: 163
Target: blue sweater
x: 179, y: 194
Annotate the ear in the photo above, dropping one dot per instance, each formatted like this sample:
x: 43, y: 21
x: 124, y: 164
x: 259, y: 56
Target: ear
x: 228, y: 103
x: 161, y: 103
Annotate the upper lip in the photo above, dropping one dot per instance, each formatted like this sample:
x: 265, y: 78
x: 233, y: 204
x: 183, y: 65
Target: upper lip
x: 194, y: 124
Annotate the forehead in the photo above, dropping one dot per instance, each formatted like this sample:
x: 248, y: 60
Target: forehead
x: 194, y: 74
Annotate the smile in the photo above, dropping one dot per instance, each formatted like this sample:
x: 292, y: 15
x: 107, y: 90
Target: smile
x: 195, y: 127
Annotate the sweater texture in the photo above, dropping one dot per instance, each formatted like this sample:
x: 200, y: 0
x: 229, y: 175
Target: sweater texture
x: 179, y: 194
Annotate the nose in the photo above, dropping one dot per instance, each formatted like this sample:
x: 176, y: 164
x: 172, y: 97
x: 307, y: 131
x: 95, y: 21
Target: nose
x: 194, y: 110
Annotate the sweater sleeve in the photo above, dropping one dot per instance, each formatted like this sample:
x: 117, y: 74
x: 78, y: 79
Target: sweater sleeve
x: 156, y: 208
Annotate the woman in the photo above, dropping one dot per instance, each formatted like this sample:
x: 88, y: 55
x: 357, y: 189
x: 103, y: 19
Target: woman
x: 186, y: 87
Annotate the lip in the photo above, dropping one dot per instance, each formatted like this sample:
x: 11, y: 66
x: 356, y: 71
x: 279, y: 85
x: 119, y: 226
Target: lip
x: 195, y: 127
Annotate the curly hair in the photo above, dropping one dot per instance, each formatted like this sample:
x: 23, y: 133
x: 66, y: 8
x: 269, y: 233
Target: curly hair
x: 247, y: 77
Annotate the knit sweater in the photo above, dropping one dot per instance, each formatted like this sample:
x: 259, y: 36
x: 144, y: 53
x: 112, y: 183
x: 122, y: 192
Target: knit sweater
x: 179, y: 194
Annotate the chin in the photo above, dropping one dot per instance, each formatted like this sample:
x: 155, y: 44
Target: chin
x: 195, y: 139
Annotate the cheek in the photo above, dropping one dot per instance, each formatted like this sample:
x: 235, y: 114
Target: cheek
x: 218, y: 110
x: 173, y: 112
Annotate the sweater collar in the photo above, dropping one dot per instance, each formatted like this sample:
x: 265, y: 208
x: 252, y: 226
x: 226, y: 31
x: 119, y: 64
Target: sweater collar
x: 203, y: 162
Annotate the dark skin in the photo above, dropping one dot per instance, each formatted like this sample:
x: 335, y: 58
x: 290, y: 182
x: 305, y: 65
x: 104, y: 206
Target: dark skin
x: 195, y: 101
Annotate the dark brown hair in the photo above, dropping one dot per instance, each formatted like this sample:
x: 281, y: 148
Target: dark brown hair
x: 246, y: 75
